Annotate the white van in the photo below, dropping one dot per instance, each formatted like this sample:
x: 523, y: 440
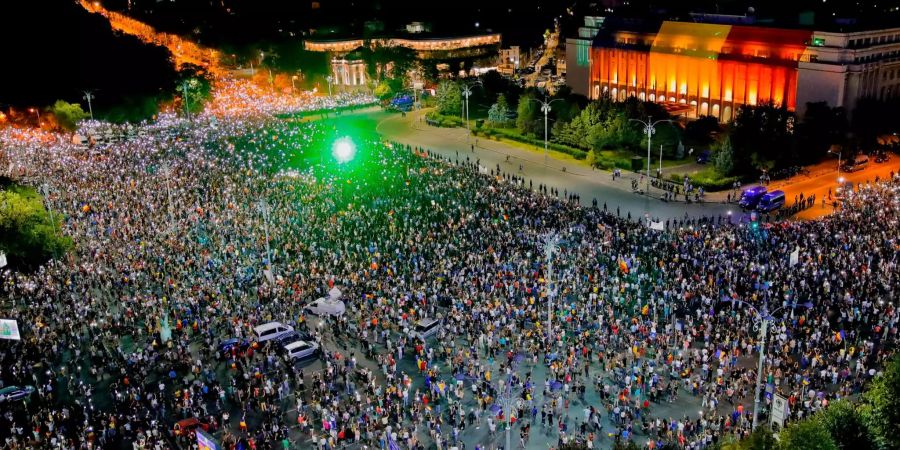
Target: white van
x: 300, y: 350
x: 271, y: 330
x: 425, y: 328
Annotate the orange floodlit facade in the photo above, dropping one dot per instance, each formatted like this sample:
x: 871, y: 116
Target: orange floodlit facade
x: 700, y: 69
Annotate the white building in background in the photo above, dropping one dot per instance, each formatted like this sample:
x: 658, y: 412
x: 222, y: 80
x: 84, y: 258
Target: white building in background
x: 578, y: 55
x: 509, y: 60
x: 348, y: 72
x: 840, y: 68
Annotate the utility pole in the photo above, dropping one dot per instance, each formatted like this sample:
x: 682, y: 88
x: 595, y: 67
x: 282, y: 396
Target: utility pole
x: 551, y: 245
x: 264, y: 209
x: 649, y: 129
x: 545, y: 108
x: 467, y: 92
x: 184, y: 89
x: 89, y: 95
x: 763, y: 317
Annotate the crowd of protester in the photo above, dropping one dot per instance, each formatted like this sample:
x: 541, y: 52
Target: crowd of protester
x: 120, y: 337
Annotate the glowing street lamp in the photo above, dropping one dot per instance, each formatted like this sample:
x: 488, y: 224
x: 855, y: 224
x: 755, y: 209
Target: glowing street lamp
x: 762, y: 317
x: 343, y: 150
x: 467, y: 92
x: 649, y: 129
x: 38, y: 112
x: 545, y: 108
x: 330, y: 80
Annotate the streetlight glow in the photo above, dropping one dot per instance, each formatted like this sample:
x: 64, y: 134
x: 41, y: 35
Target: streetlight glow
x: 343, y: 150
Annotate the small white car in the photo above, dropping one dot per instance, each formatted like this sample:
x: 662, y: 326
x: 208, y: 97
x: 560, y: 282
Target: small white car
x: 271, y: 330
x: 425, y: 328
x: 326, y: 307
x: 300, y: 350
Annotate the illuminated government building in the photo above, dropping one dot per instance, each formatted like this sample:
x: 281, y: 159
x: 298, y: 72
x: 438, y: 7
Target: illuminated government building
x: 698, y: 69
x: 349, y: 69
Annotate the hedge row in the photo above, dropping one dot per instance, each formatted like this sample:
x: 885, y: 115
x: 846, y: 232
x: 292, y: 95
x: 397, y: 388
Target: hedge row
x: 439, y: 120
x: 493, y: 133
x: 710, y: 179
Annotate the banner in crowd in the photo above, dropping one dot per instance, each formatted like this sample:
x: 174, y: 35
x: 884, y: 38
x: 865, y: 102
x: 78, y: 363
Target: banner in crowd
x: 9, y: 329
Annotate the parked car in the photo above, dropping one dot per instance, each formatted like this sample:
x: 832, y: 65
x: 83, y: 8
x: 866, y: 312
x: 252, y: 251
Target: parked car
x: 300, y: 350
x: 226, y: 347
x: 14, y: 393
x: 271, y: 330
x: 328, y: 306
x: 425, y: 328
x: 751, y: 196
x: 188, y: 427
x: 771, y: 201
x: 290, y: 337
x: 703, y: 157
x: 858, y: 163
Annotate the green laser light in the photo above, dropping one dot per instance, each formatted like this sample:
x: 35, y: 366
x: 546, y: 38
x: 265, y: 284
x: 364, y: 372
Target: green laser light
x: 343, y: 150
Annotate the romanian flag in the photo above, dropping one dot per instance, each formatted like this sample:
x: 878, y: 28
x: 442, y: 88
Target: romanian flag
x: 624, y: 266
x: 839, y: 336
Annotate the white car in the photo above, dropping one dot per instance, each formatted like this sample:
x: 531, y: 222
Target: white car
x: 425, y: 328
x: 326, y: 307
x: 271, y: 330
x: 300, y: 350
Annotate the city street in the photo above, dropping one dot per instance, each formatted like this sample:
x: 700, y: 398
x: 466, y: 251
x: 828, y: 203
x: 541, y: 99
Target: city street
x: 566, y: 175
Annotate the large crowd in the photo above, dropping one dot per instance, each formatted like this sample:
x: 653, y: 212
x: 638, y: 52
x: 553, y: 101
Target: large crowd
x: 652, y: 336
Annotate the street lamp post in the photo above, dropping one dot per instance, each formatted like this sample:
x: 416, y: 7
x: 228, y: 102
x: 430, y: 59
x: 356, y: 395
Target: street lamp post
x: 763, y: 317
x: 330, y: 79
x: 551, y: 246
x: 649, y: 129
x: 38, y: 112
x: 89, y: 95
x: 264, y: 209
x: 467, y: 92
x: 839, y: 154
x: 293, y: 85
x: 545, y: 108
x: 184, y: 89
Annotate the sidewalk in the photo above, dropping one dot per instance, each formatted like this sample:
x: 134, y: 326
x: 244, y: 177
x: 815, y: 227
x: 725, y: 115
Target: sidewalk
x: 564, y: 164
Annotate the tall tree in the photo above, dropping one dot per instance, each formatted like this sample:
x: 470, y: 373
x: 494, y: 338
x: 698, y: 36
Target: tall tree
x: 68, y: 114
x: 527, y: 115
x: 881, y: 406
x: 822, y: 127
x: 846, y: 426
x: 448, y: 98
x: 762, y: 137
x: 806, y: 435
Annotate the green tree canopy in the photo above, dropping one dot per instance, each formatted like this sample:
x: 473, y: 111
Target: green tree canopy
x: 724, y: 156
x: 846, y: 426
x: 881, y: 406
x: 762, y: 137
x: 806, y: 435
x: 194, y: 86
x: 667, y: 135
x: 527, y: 115
x: 28, y: 236
x: 68, y: 114
x: 448, y: 98
x: 499, y: 114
